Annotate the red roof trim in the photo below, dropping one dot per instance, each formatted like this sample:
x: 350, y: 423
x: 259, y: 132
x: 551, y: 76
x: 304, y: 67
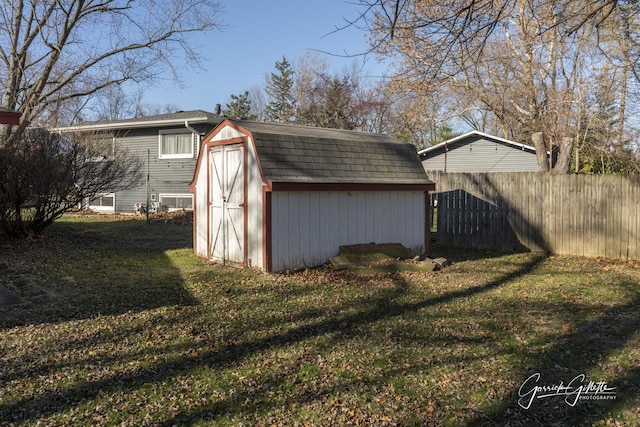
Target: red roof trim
x: 10, y: 117
x: 312, y: 186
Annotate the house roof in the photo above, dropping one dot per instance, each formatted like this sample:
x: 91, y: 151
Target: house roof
x: 470, y: 136
x: 9, y: 117
x: 303, y: 154
x: 170, y: 119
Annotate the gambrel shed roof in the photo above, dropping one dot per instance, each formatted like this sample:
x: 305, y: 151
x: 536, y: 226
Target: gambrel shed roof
x: 303, y: 154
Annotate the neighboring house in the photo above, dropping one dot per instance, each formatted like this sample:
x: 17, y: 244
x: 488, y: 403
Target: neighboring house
x: 9, y: 117
x: 167, y: 145
x: 479, y: 152
x: 278, y: 197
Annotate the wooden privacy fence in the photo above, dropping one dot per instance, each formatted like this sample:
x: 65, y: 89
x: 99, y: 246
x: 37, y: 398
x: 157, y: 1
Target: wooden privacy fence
x: 586, y: 215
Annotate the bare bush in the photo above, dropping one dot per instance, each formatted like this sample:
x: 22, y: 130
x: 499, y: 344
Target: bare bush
x: 46, y: 175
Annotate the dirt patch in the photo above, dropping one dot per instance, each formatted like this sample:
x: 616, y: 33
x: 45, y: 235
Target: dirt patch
x: 375, y: 258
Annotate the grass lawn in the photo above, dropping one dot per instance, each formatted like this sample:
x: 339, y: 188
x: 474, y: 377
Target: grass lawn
x: 137, y: 331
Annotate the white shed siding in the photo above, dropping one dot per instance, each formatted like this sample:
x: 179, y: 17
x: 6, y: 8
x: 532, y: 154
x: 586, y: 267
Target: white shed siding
x: 200, y: 210
x: 254, y: 208
x: 309, y: 227
x: 483, y: 156
x: 227, y: 132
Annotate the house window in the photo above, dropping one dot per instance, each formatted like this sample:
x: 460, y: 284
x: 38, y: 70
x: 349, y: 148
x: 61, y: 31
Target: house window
x: 175, y: 202
x: 176, y: 145
x: 103, y: 203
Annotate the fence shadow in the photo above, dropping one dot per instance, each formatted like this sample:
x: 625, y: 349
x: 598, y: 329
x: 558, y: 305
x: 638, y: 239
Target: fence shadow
x: 479, y: 214
x: 584, y: 215
x: 467, y: 221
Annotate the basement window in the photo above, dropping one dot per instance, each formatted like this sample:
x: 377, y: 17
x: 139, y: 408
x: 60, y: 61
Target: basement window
x: 176, y: 202
x: 176, y: 145
x: 103, y: 203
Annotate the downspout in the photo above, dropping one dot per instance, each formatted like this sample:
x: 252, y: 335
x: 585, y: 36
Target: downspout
x: 446, y: 150
x: 193, y: 130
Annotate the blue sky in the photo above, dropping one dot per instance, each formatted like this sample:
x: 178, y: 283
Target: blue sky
x: 257, y: 34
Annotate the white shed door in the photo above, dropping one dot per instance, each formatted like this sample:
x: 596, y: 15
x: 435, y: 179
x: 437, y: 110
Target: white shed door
x: 226, y: 203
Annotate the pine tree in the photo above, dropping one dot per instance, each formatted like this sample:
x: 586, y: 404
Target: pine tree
x: 279, y: 88
x: 239, y: 107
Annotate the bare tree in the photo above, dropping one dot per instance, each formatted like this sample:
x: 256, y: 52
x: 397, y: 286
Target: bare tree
x: 523, y: 60
x: 258, y: 102
x: 467, y: 24
x: 308, y: 71
x: 114, y: 103
x: 60, y: 51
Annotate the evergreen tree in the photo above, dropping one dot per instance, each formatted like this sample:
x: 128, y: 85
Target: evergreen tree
x: 279, y: 89
x: 239, y: 107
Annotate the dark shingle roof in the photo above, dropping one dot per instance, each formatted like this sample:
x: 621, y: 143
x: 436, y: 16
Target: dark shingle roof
x: 471, y: 137
x: 168, y: 119
x: 302, y: 154
x: 178, y: 115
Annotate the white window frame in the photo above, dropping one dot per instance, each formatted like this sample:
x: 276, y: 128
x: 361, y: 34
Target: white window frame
x: 162, y: 133
x: 181, y: 195
x: 97, y: 208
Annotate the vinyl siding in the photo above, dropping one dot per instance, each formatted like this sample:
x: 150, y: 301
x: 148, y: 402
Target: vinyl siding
x: 166, y: 176
x: 309, y: 227
x: 482, y: 155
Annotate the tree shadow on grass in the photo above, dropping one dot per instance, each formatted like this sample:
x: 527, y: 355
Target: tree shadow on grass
x: 97, y: 268
x: 580, y: 350
x: 346, y: 324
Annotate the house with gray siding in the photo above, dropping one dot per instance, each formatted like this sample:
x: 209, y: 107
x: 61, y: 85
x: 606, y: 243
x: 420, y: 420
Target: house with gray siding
x: 167, y: 146
x: 479, y: 152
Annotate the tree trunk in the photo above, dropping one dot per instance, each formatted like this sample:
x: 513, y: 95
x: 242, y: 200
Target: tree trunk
x: 564, y: 156
x: 541, y: 151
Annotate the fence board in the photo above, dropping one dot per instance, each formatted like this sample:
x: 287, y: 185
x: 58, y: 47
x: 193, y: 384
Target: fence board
x: 613, y: 226
x: 600, y: 216
x: 586, y: 215
x: 587, y: 234
x: 624, y: 224
x: 549, y: 224
x: 634, y: 194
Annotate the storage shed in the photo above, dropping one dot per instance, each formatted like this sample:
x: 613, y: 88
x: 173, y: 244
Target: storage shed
x: 279, y: 197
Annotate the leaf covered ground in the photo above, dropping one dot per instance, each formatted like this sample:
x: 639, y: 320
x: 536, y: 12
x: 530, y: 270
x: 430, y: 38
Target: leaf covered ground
x: 140, y: 332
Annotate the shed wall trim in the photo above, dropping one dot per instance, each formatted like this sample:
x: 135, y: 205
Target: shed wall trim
x: 319, y: 186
